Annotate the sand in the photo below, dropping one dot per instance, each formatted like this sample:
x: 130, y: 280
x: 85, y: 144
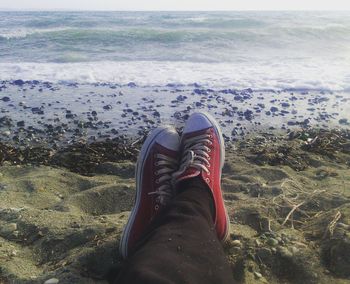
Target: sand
x: 56, y: 223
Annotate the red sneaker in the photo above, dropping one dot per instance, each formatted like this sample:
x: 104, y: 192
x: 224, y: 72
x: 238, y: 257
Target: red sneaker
x: 203, y: 154
x: 157, y: 161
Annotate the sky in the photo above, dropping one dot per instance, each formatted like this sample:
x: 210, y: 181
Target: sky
x: 199, y: 5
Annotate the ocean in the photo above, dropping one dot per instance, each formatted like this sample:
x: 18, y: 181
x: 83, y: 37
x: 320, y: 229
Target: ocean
x: 238, y: 50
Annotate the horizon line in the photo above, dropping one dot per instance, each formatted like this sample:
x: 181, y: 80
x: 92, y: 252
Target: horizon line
x: 180, y: 10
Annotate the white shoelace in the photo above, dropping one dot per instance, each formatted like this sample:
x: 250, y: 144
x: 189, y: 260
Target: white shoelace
x: 165, y: 166
x: 195, y: 154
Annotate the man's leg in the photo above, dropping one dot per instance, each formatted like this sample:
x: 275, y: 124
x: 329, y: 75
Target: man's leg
x: 181, y: 245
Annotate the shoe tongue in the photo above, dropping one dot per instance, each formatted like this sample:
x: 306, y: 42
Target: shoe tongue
x: 190, y: 172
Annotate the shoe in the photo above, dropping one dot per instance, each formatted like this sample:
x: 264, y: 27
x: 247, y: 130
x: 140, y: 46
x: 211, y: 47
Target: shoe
x: 203, y: 155
x: 157, y: 161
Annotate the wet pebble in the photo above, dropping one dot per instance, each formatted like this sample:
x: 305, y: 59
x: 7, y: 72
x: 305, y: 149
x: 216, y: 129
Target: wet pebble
x: 20, y: 123
x: 273, y: 109
x: 344, y: 121
x: 5, y: 99
x: 107, y: 107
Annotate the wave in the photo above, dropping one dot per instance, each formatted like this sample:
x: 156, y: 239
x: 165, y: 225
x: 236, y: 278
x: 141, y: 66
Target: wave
x: 260, y: 76
x: 266, y: 36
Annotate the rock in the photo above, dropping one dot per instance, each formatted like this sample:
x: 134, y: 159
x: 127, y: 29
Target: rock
x: 156, y: 113
x: 18, y: 82
x: 236, y: 243
x: 294, y: 250
x: 343, y: 121
x: 257, y: 274
x: 284, y: 252
x: 52, y: 281
x: 20, y: 123
x: 36, y: 110
x: 5, y: 99
x: 107, y: 107
x: 264, y: 254
x: 7, y: 229
x: 273, y: 109
x: 132, y: 85
x: 272, y: 242
x: 248, y: 114
x: 6, y: 121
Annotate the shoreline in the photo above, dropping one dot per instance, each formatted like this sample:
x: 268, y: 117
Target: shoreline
x: 55, y: 114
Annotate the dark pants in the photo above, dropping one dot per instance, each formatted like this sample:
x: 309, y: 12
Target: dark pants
x: 181, y: 245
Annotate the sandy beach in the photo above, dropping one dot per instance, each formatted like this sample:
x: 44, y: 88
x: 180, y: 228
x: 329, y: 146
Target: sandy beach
x: 287, y: 196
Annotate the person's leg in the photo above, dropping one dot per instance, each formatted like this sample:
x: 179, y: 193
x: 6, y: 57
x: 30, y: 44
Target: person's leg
x: 181, y: 245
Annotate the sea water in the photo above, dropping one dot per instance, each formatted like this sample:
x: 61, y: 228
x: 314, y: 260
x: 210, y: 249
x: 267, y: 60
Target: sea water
x: 258, y: 50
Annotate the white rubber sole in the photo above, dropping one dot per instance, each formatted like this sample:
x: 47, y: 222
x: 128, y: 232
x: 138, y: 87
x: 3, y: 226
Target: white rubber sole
x: 147, y: 145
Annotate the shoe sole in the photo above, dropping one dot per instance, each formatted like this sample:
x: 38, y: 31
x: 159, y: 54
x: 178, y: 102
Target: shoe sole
x: 222, y: 160
x: 147, y: 145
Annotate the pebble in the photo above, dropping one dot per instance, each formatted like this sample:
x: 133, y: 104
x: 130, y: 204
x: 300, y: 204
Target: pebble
x: 294, y: 250
x: 5, y: 99
x: 52, y: 281
x: 107, y: 107
x: 20, y: 123
x: 236, y: 243
x: 257, y: 274
x: 285, y: 252
x: 272, y: 242
x: 263, y: 253
x: 343, y: 121
x: 273, y: 109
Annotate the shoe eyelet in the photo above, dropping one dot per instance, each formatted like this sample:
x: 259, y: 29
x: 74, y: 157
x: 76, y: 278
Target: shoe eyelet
x: 209, y: 150
x: 157, y: 181
x: 207, y: 180
x: 156, y: 164
x: 156, y: 173
x: 156, y: 207
x: 208, y: 173
x: 208, y: 158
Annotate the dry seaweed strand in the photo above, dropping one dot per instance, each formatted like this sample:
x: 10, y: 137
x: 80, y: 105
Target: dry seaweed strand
x: 331, y: 226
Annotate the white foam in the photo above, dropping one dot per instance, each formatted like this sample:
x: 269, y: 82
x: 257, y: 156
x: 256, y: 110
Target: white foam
x: 260, y: 75
x: 16, y: 33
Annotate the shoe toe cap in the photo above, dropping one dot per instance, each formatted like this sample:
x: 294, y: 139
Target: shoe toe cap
x: 197, y: 122
x: 169, y: 139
